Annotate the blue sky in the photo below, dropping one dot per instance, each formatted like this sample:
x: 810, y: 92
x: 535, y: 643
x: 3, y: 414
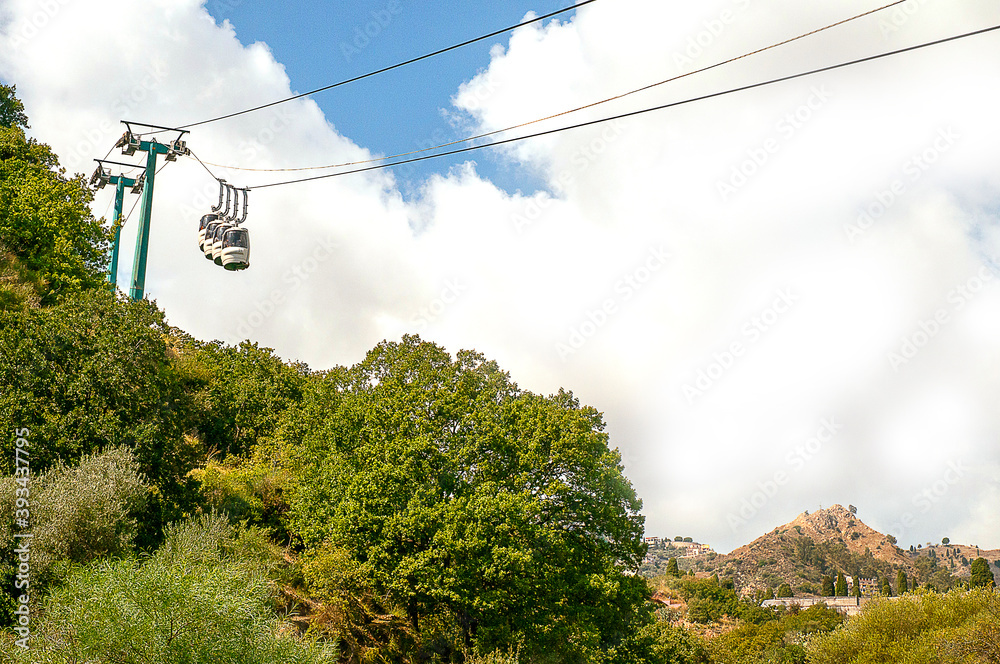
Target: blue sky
x: 321, y: 43
x: 727, y: 286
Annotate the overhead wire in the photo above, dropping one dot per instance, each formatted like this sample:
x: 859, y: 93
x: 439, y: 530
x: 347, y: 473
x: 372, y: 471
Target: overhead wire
x: 391, y: 67
x: 572, y: 110
x: 642, y: 111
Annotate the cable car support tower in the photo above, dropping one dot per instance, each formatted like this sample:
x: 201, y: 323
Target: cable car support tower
x: 130, y: 143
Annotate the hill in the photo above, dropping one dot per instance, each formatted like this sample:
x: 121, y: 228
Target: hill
x: 813, y: 545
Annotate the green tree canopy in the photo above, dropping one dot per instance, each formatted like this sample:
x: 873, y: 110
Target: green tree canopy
x: 901, y: 582
x: 982, y: 576
x: 672, y: 569
x: 11, y: 108
x: 841, y: 585
x: 48, y: 237
x: 785, y: 590
x: 467, y: 500
x: 828, y: 589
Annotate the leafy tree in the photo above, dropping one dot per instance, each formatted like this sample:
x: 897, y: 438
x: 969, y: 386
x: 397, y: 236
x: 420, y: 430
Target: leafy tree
x: 678, y: 538
x: 982, y: 576
x: 93, y: 372
x: 785, y: 590
x: 886, y: 588
x: 779, y: 640
x: 243, y: 390
x: 48, y: 237
x: 689, y: 539
x: 11, y: 108
x: 856, y: 590
x: 471, y: 503
x: 945, y: 541
x: 853, y: 509
x: 828, y: 589
x: 672, y: 569
x: 841, y: 585
x: 901, y: 582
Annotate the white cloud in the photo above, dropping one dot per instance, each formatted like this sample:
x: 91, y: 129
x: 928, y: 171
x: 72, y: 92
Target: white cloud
x: 338, y: 264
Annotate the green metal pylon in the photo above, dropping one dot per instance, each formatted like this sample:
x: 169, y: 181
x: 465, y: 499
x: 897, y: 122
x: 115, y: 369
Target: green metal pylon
x: 102, y: 177
x: 120, y: 182
x: 130, y: 145
x: 142, y: 238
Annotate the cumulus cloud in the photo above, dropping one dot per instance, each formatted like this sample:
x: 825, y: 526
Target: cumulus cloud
x: 794, y: 283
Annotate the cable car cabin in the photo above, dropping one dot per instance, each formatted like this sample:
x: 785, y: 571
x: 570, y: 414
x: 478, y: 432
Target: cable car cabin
x: 202, y: 227
x: 220, y: 231
x: 236, y: 249
x: 210, y: 238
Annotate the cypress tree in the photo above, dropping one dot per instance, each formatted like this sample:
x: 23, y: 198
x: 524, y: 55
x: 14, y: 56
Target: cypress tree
x: 828, y: 586
x: 901, y: 585
x: 982, y: 577
x: 841, y: 585
x: 672, y: 569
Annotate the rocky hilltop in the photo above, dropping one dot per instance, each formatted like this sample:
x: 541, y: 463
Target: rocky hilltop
x: 829, y: 541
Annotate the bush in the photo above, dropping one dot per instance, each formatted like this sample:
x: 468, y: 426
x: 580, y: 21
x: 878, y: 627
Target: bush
x: 190, y: 602
x: 78, y: 514
x: 929, y: 627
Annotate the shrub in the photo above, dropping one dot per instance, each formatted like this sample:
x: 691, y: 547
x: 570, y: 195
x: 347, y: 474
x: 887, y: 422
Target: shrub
x: 190, y: 602
x: 78, y: 514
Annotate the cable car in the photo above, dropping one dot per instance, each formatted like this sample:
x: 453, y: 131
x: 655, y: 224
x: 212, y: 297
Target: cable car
x: 236, y: 249
x: 220, y: 231
x: 209, y: 238
x: 202, y: 227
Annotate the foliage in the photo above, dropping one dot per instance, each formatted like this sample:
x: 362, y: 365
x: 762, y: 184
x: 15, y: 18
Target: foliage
x: 11, y: 108
x: 45, y: 221
x: 243, y: 390
x: 925, y: 627
x: 784, y: 640
x: 252, y: 491
x: 81, y: 513
x: 785, y: 590
x: 672, y: 569
x: 841, y: 585
x: 190, y: 602
x: 902, y: 584
x: 498, y: 514
x: 982, y: 576
x: 671, y: 644
x: 828, y: 588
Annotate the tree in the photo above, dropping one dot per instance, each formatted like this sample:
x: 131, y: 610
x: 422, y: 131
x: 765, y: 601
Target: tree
x: 50, y: 243
x: 11, y: 108
x: 672, y: 569
x: 982, y: 576
x: 785, y: 590
x: 853, y: 509
x: 841, y: 585
x: 886, y: 588
x: 856, y: 590
x: 901, y: 582
x: 828, y: 589
x: 678, y: 538
x: 499, y: 514
x: 945, y: 541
